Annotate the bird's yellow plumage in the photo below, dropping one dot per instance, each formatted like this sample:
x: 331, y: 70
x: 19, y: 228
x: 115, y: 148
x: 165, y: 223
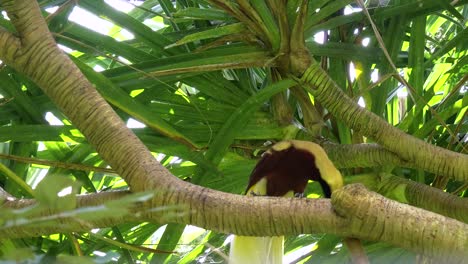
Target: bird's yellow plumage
x: 257, y: 250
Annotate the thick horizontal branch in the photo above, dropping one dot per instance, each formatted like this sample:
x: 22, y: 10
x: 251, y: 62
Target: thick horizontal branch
x: 361, y: 214
x: 189, y: 212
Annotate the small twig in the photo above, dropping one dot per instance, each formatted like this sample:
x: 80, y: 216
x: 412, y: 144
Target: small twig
x: 56, y: 164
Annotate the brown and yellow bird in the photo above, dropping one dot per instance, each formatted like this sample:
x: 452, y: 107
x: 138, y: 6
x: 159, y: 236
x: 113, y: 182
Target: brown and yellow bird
x: 284, y: 170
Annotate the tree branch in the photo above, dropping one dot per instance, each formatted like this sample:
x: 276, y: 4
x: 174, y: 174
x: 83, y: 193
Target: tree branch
x: 393, y: 222
x: 9, y: 45
x: 413, y: 193
x: 423, y: 196
x: 361, y: 214
x: 363, y: 156
x: 411, y: 149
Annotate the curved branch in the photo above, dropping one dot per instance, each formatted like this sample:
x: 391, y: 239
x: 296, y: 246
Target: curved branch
x: 409, y: 148
x: 9, y: 45
x: 423, y: 196
x: 363, y: 155
x: 413, y: 193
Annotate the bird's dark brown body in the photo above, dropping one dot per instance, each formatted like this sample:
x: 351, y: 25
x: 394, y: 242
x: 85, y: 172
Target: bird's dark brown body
x: 283, y: 170
x: 287, y: 170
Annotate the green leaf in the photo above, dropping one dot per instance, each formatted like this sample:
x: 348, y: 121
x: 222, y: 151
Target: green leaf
x: 238, y: 119
x: 57, y: 192
x: 66, y: 259
x: 204, y: 14
x: 168, y: 242
x: 122, y: 100
x: 211, y: 33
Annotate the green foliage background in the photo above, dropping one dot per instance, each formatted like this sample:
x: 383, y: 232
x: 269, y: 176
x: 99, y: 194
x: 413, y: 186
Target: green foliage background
x: 193, y: 76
